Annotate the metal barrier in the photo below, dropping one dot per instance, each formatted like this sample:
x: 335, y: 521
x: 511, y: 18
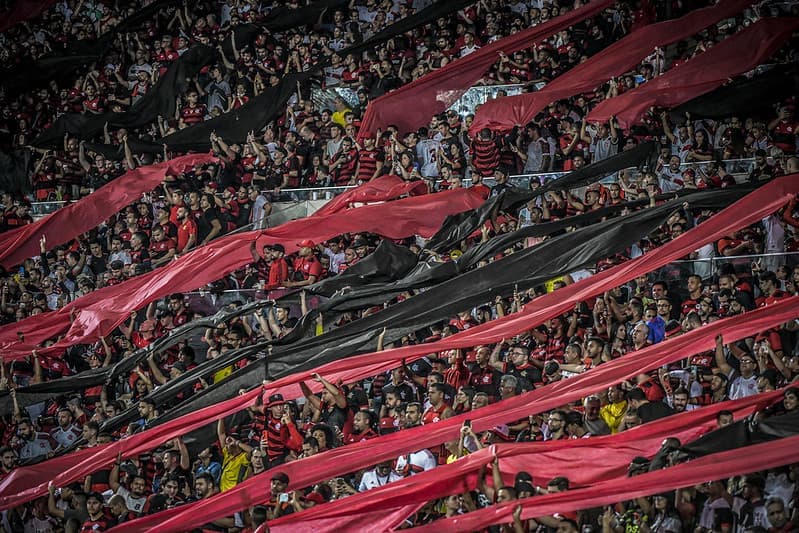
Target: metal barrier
x: 708, y: 267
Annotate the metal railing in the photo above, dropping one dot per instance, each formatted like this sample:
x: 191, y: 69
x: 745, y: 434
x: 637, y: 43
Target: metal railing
x: 707, y: 267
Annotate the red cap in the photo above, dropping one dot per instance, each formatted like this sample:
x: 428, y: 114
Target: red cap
x: 306, y: 243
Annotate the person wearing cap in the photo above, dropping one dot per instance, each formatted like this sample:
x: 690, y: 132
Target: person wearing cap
x: 306, y: 267
x: 361, y: 247
x: 501, y: 174
x: 278, y: 267
x: 234, y: 458
x: 280, y: 435
x: 279, y: 500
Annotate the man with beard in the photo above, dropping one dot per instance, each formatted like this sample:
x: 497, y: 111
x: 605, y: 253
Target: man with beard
x: 187, y: 230
x: 135, y: 496
x: 592, y: 422
x: 31, y: 443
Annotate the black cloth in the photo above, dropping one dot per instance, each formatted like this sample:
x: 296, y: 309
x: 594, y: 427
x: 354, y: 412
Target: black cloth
x: 654, y: 411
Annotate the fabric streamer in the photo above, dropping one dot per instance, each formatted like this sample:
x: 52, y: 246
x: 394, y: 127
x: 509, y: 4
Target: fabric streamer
x: 459, y: 227
x: 602, y: 458
x: 502, y: 114
x: 67, y: 223
x: 413, y: 104
x: 757, y: 95
x: 159, y: 100
x: 735, y: 55
x: 271, y: 103
x: 758, y: 204
x: 102, y: 310
x: 339, y: 461
x: 716, y: 466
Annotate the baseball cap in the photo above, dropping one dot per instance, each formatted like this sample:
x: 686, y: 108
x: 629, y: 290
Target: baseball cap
x: 306, y: 243
x: 275, y: 399
x: 281, y: 476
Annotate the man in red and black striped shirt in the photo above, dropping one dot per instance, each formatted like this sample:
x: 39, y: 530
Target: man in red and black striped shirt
x: 485, y: 153
x: 370, y: 161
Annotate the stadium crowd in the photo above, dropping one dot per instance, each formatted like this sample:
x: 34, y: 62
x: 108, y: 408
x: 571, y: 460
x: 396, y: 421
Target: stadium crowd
x: 313, y: 147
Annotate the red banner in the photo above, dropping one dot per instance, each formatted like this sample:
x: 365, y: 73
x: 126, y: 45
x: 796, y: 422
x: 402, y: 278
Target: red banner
x: 414, y: 104
x: 99, y: 312
x: 765, y: 200
x: 502, y: 114
x: 377, y: 190
x: 72, y: 220
x: 711, y: 467
x: 353, y: 457
x: 601, y: 458
x: 733, y: 56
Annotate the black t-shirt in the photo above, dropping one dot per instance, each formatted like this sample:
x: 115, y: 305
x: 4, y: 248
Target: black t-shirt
x: 653, y: 411
x: 204, y: 225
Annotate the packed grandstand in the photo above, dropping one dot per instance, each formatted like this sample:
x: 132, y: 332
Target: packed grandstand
x: 329, y: 265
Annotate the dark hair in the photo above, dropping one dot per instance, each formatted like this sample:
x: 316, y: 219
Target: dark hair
x: 561, y: 482
x: 207, y: 477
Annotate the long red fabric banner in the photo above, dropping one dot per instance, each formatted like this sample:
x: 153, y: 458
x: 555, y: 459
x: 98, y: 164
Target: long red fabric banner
x: 72, y: 220
x: 353, y: 457
x: 23, y: 10
x: 412, y: 106
x: 754, y: 206
x: 377, y: 190
x: 601, y: 458
x: 735, y: 55
x: 101, y: 311
x: 711, y: 467
x: 502, y: 114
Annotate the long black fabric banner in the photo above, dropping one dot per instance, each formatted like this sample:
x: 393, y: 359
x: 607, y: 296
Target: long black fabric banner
x: 526, y: 269
x: 742, y: 433
x: 91, y: 378
x: 458, y: 227
x: 234, y: 126
x: 159, y: 100
x: 752, y: 97
x: 285, y: 18
x: 77, y: 53
x: 561, y: 254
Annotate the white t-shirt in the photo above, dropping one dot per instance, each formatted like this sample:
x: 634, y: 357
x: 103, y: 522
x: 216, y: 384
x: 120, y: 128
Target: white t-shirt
x: 371, y: 480
x: 415, y: 463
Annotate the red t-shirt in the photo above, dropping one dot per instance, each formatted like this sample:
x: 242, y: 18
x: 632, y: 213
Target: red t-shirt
x: 308, y: 266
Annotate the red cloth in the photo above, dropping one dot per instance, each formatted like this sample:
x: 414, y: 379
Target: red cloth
x: 23, y: 10
x: 601, y: 458
x: 360, y: 455
x: 715, y: 466
x: 753, y: 207
x: 27, y: 483
x: 707, y: 71
x: 101, y: 311
x: 74, y: 219
x: 502, y: 114
x: 412, y: 106
x: 376, y: 190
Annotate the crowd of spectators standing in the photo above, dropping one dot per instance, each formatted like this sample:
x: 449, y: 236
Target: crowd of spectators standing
x: 312, y: 147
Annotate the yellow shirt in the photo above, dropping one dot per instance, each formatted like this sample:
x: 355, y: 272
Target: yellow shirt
x: 550, y: 285
x: 338, y: 116
x: 612, y: 414
x: 233, y: 469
